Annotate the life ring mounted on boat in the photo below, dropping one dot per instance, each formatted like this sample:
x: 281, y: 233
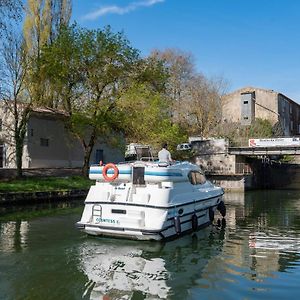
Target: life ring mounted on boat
x: 105, y: 170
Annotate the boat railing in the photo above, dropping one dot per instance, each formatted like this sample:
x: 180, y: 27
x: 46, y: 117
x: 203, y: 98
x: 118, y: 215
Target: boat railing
x: 148, y: 158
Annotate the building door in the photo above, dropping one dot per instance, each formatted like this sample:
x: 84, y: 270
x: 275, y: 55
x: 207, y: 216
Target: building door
x: 99, y: 156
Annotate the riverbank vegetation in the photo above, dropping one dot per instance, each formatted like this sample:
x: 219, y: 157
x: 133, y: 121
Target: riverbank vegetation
x: 47, y: 184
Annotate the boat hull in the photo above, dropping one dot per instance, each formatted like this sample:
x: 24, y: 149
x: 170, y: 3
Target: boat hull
x: 170, y: 222
x: 149, y: 201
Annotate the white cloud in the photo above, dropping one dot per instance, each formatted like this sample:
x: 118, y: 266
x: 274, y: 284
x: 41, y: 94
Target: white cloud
x: 114, y: 9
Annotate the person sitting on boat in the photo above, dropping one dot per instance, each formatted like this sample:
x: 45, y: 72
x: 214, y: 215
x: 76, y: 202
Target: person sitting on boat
x: 164, y: 155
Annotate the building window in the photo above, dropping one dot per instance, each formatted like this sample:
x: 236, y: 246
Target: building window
x: 0, y: 125
x: 31, y: 132
x: 245, y: 102
x: 44, y: 142
x: 245, y: 118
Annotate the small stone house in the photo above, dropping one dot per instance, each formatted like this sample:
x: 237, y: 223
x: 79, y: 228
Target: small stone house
x: 245, y: 105
x: 48, y: 143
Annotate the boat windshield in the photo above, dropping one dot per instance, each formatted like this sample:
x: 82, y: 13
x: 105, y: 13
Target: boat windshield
x: 196, y: 177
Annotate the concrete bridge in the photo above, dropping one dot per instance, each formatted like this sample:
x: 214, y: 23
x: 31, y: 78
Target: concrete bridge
x: 258, y: 151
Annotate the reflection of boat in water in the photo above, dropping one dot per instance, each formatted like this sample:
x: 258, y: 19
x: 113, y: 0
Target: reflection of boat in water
x: 119, y: 272
x: 130, y: 270
x: 149, y: 200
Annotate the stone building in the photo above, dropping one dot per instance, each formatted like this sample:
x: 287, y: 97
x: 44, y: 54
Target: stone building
x: 48, y: 143
x: 245, y: 105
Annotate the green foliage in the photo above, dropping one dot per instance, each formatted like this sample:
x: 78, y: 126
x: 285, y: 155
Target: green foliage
x: 61, y: 68
x: 239, y: 135
x: 287, y: 159
x: 151, y: 72
x: 88, y: 69
x: 183, y: 155
x: 260, y: 128
x: 145, y: 118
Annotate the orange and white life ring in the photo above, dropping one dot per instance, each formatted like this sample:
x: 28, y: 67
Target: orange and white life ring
x: 115, y: 174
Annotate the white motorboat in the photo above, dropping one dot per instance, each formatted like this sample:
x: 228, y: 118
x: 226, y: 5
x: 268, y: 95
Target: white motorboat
x: 149, y: 200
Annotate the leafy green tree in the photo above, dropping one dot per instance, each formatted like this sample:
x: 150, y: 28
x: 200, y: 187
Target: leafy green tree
x: 88, y: 69
x: 146, y: 119
x: 107, y: 60
x: 61, y: 68
x: 152, y: 72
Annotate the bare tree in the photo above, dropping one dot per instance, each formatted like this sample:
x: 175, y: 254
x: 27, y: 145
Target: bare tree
x: 180, y: 65
x: 195, y: 99
x: 14, y: 95
x: 202, y: 104
x: 43, y: 22
x: 9, y: 10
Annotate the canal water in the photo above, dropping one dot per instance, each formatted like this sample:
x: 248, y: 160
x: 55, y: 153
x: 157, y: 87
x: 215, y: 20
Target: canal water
x: 256, y: 256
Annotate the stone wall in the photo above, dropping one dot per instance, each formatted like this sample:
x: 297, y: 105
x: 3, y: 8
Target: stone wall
x: 234, y: 183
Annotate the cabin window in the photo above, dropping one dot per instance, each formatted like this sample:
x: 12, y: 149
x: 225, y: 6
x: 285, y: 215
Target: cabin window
x: 44, y: 142
x: 196, y: 177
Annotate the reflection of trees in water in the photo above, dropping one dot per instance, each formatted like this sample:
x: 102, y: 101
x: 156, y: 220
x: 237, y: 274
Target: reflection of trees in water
x: 33, y: 210
x: 187, y: 259
x: 273, y: 208
x: 270, y: 228
x: 119, y: 269
x: 13, y: 236
x: 37, y: 260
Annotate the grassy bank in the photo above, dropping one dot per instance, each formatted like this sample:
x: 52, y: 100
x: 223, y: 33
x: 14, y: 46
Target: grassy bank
x: 45, y: 184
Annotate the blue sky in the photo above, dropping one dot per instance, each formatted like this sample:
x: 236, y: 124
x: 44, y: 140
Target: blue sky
x: 248, y: 42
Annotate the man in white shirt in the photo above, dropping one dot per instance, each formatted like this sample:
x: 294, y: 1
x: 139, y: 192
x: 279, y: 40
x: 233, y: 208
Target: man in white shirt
x: 164, y: 155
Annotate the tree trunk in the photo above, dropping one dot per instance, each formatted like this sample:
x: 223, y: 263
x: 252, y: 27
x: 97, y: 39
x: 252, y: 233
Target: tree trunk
x: 87, y: 152
x: 86, y: 161
x: 19, y: 154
